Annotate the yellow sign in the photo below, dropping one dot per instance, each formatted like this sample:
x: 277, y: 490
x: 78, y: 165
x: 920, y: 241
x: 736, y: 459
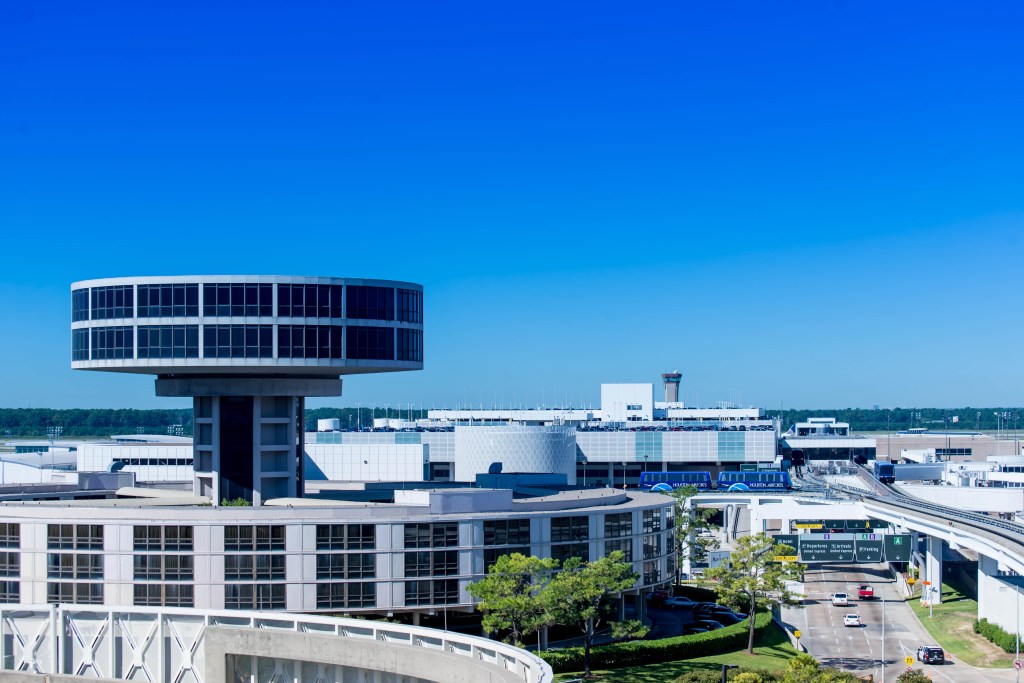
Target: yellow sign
x: 797, y: 634
x: 785, y: 558
x: 808, y: 525
x: 911, y: 581
x: 909, y: 660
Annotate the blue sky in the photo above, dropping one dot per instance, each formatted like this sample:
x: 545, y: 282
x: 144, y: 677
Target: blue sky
x: 808, y: 204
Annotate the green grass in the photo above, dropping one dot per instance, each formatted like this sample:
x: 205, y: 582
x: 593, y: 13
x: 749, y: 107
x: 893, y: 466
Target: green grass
x: 952, y: 627
x: 772, y: 652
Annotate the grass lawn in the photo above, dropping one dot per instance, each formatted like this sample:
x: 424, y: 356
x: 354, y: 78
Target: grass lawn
x: 772, y: 652
x: 952, y: 627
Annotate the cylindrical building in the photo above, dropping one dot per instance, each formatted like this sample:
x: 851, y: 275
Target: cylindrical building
x: 248, y: 350
x: 515, y: 449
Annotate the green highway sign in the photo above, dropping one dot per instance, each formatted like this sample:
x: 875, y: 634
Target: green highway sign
x: 897, y: 548
x: 839, y: 525
x: 827, y: 548
x: 787, y: 539
x: 869, y: 550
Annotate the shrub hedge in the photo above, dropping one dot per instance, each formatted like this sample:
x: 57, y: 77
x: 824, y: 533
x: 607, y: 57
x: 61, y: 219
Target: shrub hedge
x: 1007, y: 641
x: 634, y: 652
x: 696, y: 593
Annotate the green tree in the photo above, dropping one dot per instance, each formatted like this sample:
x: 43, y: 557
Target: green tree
x: 752, y: 579
x: 689, y: 520
x: 574, y: 596
x: 508, y: 595
x: 805, y: 669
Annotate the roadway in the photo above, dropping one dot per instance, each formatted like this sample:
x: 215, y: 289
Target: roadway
x: 860, y: 649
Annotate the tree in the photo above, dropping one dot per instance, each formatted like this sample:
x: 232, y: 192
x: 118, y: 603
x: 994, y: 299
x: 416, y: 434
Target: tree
x: 508, y: 595
x: 574, y: 596
x: 690, y: 519
x: 752, y: 579
x: 805, y: 669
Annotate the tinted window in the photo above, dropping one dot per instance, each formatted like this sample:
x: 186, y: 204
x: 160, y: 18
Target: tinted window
x: 370, y: 303
x: 370, y: 343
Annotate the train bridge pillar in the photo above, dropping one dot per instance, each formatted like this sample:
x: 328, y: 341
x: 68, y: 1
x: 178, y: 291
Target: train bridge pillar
x: 933, y: 570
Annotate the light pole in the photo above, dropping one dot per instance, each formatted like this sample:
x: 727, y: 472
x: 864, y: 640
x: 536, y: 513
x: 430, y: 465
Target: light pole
x: 54, y: 433
x: 883, y: 634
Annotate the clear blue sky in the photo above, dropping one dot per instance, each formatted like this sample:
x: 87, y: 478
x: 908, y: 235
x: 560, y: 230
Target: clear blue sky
x: 815, y: 204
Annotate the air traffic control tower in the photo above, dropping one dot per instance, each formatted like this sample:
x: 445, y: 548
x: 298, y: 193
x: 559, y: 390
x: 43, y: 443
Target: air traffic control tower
x: 248, y: 350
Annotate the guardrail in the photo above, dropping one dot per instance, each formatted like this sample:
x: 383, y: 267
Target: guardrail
x: 162, y: 645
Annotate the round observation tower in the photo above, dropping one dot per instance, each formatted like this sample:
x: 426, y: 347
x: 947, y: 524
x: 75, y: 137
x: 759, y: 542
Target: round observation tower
x: 248, y: 349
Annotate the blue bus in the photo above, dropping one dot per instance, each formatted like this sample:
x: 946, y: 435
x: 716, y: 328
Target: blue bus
x: 699, y: 480
x: 885, y: 472
x: 754, y: 481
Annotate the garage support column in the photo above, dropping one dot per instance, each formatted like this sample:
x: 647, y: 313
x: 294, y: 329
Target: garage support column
x: 639, y: 607
x: 987, y: 569
x: 933, y: 569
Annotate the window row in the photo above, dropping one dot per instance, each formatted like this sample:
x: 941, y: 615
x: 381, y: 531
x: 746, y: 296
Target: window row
x: 238, y: 341
x: 74, y: 566
x: 253, y: 567
x: 10, y: 564
x: 369, y: 303
x: 410, y: 306
x: 74, y: 536
x: 619, y: 524
x: 81, y: 593
x: 143, y: 462
x: 370, y: 343
x: 625, y: 545
x: 347, y: 566
x: 164, y: 567
x: 79, y: 305
x: 507, y: 532
x: 238, y: 299
x: 309, y: 341
x: 10, y: 591
x: 168, y: 341
x: 309, y: 301
x: 113, y: 302
x: 10, y: 535
x: 439, y: 535
x: 163, y: 537
x: 164, y: 595
x: 652, y: 521
x: 80, y: 344
x: 652, y: 546
x: 248, y: 538
x: 410, y: 345
x: 346, y: 536
x: 168, y: 301
x: 342, y: 595
x: 436, y: 592
x: 249, y: 596
x: 112, y: 343
x: 564, y: 551
x: 432, y: 563
x: 569, y: 529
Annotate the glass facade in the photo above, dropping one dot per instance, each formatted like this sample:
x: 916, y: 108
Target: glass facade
x: 440, y: 535
x: 168, y: 301
x: 113, y: 302
x: 439, y: 592
x: 168, y: 341
x: 369, y: 303
x: 342, y: 595
x: 410, y: 345
x: 309, y: 341
x: 370, y: 343
x: 346, y: 536
x: 112, y: 343
x: 410, y: 306
x: 309, y: 301
x: 238, y: 341
x: 238, y: 300
x: 79, y: 305
x: 80, y: 344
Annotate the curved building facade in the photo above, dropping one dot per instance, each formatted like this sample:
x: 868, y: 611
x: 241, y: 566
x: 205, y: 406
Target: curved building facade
x: 248, y: 350
x: 516, y: 448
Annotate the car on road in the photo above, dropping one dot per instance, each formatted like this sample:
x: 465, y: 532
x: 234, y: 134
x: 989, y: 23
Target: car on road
x: 840, y: 600
x: 679, y: 601
x: 851, y: 620
x: 865, y: 592
x: 931, y: 654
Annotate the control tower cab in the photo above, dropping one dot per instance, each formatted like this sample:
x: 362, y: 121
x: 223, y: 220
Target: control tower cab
x: 248, y: 350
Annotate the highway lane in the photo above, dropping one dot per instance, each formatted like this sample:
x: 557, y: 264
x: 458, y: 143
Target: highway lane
x: 860, y: 649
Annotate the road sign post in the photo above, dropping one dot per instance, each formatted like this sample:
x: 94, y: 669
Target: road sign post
x: 909, y: 660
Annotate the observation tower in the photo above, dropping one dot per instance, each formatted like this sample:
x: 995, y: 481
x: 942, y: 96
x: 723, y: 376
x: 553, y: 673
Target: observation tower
x: 248, y: 350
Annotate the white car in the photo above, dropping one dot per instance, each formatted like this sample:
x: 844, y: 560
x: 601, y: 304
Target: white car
x: 840, y: 600
x: 679, y: 601
x: 851, y: 620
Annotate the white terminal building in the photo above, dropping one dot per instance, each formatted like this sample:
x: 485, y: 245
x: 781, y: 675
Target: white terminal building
x: 140, y: 520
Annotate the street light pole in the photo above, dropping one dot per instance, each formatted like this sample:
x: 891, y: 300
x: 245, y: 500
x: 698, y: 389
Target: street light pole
x: 54, y: 433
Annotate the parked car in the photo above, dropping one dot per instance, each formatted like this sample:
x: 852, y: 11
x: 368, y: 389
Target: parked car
x: 865, y: 593
x: 851, y: 620
x: 697, y: 574
x: 657, y: 598
x: 840, y: 600
x: 690, y: 629
x: 679, y: 601
x: 726, y: 618
x: 709, y: 624
x: 931, y: 654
